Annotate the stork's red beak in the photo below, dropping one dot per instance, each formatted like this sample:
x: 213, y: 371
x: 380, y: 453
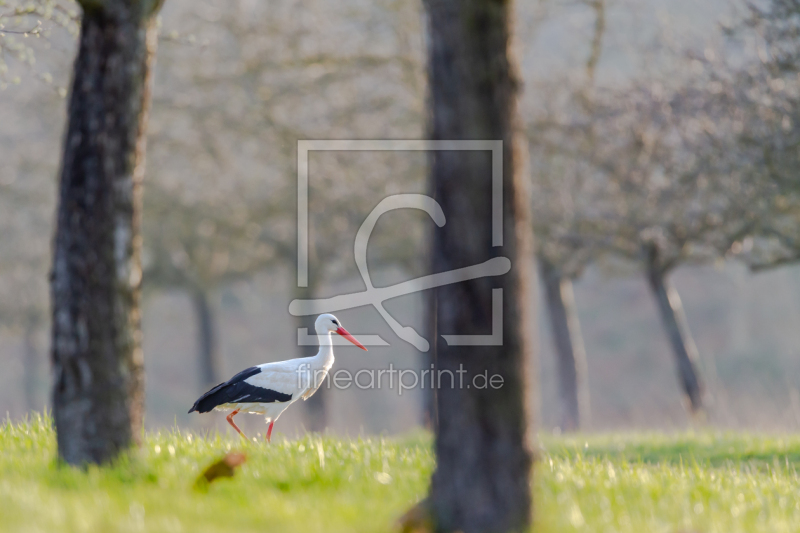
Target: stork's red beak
x: 343, y: 332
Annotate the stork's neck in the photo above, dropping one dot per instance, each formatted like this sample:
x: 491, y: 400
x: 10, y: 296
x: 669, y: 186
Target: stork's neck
x: 324, y: 357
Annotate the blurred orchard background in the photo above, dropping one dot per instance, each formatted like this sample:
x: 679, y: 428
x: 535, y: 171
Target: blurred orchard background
x: 663, y: 138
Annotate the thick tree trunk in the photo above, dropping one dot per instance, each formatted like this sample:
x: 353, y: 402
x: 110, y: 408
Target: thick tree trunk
x: 570, y: 352
x: 209, y: 364
x: 676, y: 327
x: 96, y: 339
x: 430, y: 415
x: 316, y: 418
x: 482, y: 480
x: 30, y: 365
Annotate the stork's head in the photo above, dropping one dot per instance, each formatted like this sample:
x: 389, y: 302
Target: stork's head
x: 328, y: 323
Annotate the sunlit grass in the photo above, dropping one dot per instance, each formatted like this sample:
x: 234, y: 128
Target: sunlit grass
x: 617, y: 483
x: 634, y: 483
x: 311, y: 484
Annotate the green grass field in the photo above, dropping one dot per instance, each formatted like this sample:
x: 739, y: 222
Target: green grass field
x: 619, y: 483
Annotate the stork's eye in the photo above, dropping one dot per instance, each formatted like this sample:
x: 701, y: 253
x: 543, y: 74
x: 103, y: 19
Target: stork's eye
x: 336, y: 322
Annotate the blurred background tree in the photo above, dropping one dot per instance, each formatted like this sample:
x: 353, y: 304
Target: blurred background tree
x: 282, y: 82
x: 559, y: 183
x: 24, y: 271
x: 661, y: 144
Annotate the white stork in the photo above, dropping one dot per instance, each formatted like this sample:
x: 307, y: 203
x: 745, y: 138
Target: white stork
x: 270, y: 388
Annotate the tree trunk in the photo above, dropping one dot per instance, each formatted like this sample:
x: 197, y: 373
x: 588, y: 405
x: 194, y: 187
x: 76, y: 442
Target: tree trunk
x: 676, y: 327
x: 570, y: 351
x: 30, y: 365
x: 209, y: 364
x: 430, y: 415
x: 97, y: 358
x: 316, y: 418
x: 482, y: 480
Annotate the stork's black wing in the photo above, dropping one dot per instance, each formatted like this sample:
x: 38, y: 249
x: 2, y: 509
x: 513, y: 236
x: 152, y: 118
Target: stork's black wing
x: 237, y: 390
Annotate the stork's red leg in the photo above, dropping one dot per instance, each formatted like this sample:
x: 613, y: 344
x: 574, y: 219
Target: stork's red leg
x: 269, y: 432
x: 229, y: 418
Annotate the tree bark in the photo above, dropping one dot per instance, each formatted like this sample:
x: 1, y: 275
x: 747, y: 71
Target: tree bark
x: 676, y: 327
x: 430, y: 414
x: 482, y: 480
x: 209, y: 364
x: 570, y: 351
x: 97, y: 358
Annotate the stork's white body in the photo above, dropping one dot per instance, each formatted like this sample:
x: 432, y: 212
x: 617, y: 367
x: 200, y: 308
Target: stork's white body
x: 269, y: 389
x: 299, y: 377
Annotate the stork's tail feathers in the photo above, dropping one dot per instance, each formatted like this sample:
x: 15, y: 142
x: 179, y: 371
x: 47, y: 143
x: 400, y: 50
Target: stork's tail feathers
x: 204, y: 408
x: 236, y: 390
x: 206, y: 403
